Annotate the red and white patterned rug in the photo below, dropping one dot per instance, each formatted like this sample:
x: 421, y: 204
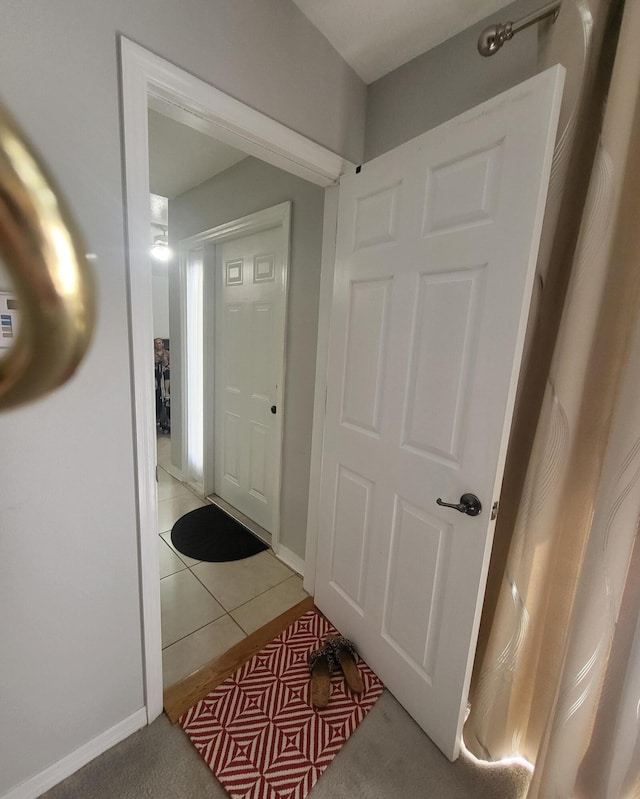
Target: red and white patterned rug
x: 259, y: 733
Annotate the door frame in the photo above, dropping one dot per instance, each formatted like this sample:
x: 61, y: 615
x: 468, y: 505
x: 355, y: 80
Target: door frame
x: 274, y: 217
x: 146, y: 77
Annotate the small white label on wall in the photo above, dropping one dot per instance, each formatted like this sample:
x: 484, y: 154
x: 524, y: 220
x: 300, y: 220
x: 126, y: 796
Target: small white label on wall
x: 8, y: 319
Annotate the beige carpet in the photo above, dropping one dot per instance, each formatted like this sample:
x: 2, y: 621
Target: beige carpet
x: 388, y: 756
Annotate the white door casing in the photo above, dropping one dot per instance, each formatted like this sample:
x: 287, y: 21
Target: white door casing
x: 249, y: 372
x: 435, y: 259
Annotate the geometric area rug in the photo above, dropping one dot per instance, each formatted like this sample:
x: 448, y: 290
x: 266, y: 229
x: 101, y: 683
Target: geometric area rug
x: 258, y: 731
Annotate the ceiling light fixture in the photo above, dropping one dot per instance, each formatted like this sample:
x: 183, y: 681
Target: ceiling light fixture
x: 160, y: 248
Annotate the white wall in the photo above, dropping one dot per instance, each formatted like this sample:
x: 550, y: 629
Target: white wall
x: 243, y: 189
x: 70, y: 644
x: 159, y: 269
x: 160, y: 291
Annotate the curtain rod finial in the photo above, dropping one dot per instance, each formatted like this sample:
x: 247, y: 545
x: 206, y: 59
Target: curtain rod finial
x: 491, y: 40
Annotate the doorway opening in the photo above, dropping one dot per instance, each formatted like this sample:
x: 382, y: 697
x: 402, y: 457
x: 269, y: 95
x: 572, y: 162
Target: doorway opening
x: 145, y: 77
x: 226, y: 296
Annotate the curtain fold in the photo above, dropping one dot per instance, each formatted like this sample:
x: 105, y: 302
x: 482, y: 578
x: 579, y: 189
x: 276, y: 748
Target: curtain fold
x: 575, y: 40
x: 555, y: 680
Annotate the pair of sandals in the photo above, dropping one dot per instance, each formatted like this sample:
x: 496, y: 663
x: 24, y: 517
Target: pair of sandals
x: 336, y: 654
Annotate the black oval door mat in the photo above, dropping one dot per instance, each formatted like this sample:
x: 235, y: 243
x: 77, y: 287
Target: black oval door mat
x: 209, y: 533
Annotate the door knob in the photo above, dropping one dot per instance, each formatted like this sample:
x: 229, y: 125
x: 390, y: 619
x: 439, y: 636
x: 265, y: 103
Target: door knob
x: 273, y: 409
x: 469, y: 504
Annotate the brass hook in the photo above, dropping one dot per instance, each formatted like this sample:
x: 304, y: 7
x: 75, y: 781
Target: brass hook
x: 44, y: 254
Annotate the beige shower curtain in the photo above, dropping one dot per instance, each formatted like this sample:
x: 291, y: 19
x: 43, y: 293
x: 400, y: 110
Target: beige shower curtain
x: 557, y: 677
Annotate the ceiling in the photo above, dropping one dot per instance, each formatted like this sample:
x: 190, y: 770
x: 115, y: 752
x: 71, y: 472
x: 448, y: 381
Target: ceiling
x: 181, y: 157
x: 376, y: 36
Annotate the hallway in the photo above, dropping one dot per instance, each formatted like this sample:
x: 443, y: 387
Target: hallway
x: 209, y: 607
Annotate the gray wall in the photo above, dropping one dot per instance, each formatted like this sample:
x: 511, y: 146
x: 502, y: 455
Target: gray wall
x: 446, y: 81
x: 243, y: 189
x: 70, y: 627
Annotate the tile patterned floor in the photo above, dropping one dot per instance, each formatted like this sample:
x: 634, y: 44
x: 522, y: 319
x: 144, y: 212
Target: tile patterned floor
x: 209, y: 607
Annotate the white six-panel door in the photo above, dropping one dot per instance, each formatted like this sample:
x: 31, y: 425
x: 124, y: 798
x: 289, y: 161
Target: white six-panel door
x: 249, y: 364
x: 436, y: 250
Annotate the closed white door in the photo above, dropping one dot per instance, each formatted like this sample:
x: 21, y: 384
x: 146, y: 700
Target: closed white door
x: 249, y: 366
x: 436, y: 251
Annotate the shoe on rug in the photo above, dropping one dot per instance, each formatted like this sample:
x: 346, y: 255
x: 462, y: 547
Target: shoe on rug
x: 321, y: 664
x: 344, y: 653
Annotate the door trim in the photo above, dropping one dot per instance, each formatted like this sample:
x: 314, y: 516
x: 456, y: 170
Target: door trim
x: 146, y: 78
x: 277, y: 216
x: 327, y: 272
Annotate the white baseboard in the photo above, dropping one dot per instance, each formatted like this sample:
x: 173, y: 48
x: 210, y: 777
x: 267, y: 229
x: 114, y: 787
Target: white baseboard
x: 174, y: 472
x: 291, y: 560
x: 42, y: 782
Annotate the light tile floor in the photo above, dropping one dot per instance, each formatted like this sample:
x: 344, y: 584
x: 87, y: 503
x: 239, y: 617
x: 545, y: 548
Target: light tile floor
x: 209, y: 607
